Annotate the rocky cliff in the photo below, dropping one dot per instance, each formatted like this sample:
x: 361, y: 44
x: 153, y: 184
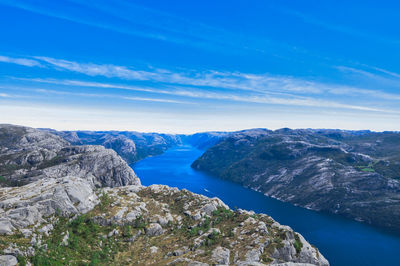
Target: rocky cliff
x: 28, y: 155
x: 86, y: 207
x: 131, y: 146
x: 352, y: 173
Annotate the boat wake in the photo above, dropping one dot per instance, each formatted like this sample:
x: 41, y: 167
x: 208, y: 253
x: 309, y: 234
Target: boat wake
x: 206, y: 190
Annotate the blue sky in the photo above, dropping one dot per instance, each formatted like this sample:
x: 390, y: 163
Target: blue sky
x: 189, y: 66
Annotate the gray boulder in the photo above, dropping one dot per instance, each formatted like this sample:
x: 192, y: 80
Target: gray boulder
x: 154, y: 229
x: 32, y: 203
x: 8, y: 260
x: 221, y: 255
x: 6, y: 227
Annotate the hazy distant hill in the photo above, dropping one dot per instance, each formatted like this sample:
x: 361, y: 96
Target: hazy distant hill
x: 133, y: 146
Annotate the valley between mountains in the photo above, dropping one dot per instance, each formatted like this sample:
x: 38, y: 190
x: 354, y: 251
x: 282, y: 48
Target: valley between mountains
x: 70, y: 197
x: 355, y: 174
x: 63, y: 204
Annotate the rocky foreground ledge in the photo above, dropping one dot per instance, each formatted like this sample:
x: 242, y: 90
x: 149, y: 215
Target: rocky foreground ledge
x: 89, y: 208
x: 67, y: 221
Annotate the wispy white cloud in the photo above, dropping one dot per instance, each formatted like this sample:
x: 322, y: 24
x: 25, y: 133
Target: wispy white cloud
x: 108, y: 96
x: 259, y: 83
x: 379, y: 72
x: 19, y: 61
x: 353, y: 70
x: 91, y: 69
x: 373, y: 75
x: 263, y: 83
x: 231, y: 86
x: 154, y: 100
x: 90, y: 84
x: 384, y: 71
x: 81, y: 83
x: 201, y: 94
x: 377, y: 94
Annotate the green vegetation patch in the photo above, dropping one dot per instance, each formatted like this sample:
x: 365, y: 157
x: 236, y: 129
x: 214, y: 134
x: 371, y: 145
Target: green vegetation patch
x: 298, y: 245
x: 3, y: 180
x: 86, y: 244
x: 367, y: 169
x: 90, y: 243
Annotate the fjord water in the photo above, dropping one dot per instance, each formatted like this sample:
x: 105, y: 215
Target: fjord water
x: 341, y: 241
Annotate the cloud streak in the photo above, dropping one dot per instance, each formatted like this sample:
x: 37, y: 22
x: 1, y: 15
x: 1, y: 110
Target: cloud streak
x: 212, y: 96
x: 19, y: 61
x: 375, y: 75
x: 261, y: 83
x: 108, y: 96
x: 226, y: 80
x: 228, y: 86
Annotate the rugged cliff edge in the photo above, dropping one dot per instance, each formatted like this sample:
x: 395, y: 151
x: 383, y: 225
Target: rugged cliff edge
x: 131, y: 146
x: 352, y: 173
x: 28, y: 154
x: 87, y: 207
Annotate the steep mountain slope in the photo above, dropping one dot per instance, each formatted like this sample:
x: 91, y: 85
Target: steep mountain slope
x: 131, y: 146
x: 88, y: 207
x: 355, y: 174
x: 28, y: 154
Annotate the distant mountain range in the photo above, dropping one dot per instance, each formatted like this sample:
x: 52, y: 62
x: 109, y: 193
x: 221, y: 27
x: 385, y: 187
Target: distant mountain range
x: 352, y: 173
x: 134, y: 146
x: 64, y: 204
x: 131, y: 146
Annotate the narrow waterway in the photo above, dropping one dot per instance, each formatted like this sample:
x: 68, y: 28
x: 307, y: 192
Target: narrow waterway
x: 341, y: 241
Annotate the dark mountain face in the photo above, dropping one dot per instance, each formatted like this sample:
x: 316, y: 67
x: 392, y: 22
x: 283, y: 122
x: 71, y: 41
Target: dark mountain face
x: 352, y: 173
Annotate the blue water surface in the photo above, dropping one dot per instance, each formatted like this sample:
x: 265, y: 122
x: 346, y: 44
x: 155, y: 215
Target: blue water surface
x: 341, y: 241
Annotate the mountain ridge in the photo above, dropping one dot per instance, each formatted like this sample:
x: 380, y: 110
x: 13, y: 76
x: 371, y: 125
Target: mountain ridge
x: 355, y: 174
x: 89, y: 207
